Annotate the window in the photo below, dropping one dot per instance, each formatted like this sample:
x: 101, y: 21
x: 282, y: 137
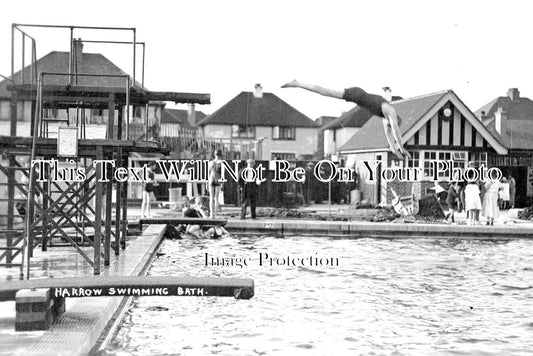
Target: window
x: 414, y: 161
x: 458, y: 160
x: 283, y: 133
x: 97, y: 112
x: 138, y: 112
x: 283, y: 156
x: 427, y: 161
x: 4, y: 110
x: 50, y: 113
x: 478, y: 158
x: 242, y: 131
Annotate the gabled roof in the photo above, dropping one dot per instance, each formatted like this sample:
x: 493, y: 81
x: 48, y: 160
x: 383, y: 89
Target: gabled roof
x: 521, y: 109
x: 246, y: 109
x: 371, y: 135
x: 413, y: 113
x: 58, y: 62
x: 519, y: 125
x: 177, y: 116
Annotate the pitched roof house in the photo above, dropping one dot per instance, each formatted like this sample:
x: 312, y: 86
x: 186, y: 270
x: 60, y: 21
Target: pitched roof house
x: 264, y: 126
x: 510, y: 119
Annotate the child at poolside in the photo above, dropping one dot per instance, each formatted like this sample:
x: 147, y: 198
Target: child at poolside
x: 472, y: 202
x: 451, y: 201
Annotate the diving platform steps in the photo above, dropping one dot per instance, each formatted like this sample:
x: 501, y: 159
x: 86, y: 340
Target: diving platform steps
x: 11, y: 246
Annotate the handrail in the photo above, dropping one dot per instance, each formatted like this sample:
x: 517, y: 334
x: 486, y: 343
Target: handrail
x: 71, y: 28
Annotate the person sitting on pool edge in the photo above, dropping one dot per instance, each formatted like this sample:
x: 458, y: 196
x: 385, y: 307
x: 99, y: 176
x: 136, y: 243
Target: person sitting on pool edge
x: 196, y: 211
x: 375, y: 104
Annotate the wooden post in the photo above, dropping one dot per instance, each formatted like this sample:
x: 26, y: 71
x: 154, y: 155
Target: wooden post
x: 118, y: 197
x: 98, y: 213
x: 111, y: 116
x: 108, y: 217
x: 10, y: 205
x: 119, y: 122
x: 30, y: 214
x: 32, y: 121
x: 45, y: 231
x: 13, y: 114
x: 124, y: 204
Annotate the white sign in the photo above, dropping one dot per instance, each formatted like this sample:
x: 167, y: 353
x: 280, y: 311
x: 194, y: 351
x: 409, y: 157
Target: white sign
x: 67, y: 141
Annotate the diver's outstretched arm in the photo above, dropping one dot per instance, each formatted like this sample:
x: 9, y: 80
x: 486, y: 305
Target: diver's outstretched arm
x: 333, y: 93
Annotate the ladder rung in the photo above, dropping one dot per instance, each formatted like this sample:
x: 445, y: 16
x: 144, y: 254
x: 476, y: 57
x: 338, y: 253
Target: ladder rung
x: 17, y: 168
x: 10, y: 248
x: 7, y: 184
x: 10, y: 264
x: 14, y: 199
x: 11, y: 231
x: 52, y: 119
x: 14, y: 152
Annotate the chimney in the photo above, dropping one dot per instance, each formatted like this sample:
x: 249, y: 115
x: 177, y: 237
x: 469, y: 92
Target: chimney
x: 483, y: 115
x: 191, y: 115
x: 78, y: 55
x: 513, y: 94
x: 500, y: 121
x: 258, y: 91
x: 388, y: 93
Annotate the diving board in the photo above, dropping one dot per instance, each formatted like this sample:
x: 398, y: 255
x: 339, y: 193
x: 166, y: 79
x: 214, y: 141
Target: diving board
x: 240, y: 288
x: 184, y: 221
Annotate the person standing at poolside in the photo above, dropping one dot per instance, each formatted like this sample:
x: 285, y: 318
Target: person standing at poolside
x: 248, y: 192
x: 451, y: 201
x: 147, y: 190
x: 512, y: 190
x: 472, y: 202
x: 375, y: 104
x: 490, y: 208
x: 214, y: 183
x: 505, y: 195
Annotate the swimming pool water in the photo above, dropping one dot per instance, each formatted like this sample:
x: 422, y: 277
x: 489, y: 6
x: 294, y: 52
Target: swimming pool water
x: 412, y: 297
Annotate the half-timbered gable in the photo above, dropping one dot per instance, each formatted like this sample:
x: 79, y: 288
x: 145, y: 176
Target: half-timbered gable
x: 434, y: 127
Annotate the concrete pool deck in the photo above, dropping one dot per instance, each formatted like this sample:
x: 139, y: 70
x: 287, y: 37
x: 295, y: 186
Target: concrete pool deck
x: 507, y: 226
x: 87, y: 319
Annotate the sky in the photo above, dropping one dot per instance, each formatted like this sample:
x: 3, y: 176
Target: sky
x: 479, y: 49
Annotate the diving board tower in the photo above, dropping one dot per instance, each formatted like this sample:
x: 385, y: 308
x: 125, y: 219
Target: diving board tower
x: 40, y: 210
